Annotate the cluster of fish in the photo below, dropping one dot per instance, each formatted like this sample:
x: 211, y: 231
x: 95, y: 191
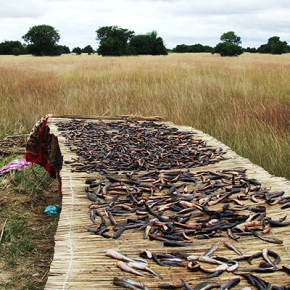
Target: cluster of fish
x: 175, y: 206
x: 204, y: 285
x: 253, y: 280
x: 172, y: 206
x: 125, y: 145
x: 134, y: 265
x: 223, y: 263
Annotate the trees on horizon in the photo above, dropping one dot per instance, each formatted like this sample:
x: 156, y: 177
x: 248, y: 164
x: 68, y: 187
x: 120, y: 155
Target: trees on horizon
x: 229, y: 45
x: 182, y: 48
x: 42, y: 40
x: 274, y: 46
x: 12, y: 47
x: 116, y: 41
x: 149, y: 43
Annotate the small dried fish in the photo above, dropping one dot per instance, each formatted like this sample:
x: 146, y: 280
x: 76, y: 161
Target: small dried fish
x: 207, y: 285
x: 232, y: 247
x: 170, y: 286
x: 128, y: 269
x: 142, y: 266
x: 116, y: 255
x: 126, y: 282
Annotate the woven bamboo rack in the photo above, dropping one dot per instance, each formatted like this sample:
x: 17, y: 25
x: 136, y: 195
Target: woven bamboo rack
x: 80, y: 262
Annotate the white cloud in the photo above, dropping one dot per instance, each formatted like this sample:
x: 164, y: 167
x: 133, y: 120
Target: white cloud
x: 176, y: 21
x: 23, y: 9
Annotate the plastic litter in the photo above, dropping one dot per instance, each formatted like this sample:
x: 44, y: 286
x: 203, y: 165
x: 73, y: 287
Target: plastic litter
x: 14, y: 165
x: 52, y: 209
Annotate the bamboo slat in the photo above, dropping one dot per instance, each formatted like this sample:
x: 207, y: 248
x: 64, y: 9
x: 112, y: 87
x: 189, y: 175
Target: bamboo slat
x: 80, y: 262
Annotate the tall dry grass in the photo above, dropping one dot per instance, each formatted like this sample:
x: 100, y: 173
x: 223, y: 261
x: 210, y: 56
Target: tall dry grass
x: 243, y: 101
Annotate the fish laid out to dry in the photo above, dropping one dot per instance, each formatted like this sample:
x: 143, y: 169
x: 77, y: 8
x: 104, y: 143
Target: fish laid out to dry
x: 175, y: 207
x: 127, y: 145
x: 224, y: 264
x: 129, y: 283
x: 171, y: 203
x: 146, y: 178
x: 133, y: 265
x: 142, y: 266
x: 116, y: 255
x: 125, y: 267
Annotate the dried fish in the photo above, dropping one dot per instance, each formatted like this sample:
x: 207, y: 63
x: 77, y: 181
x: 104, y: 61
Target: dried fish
x: 119, y: 232
x: 142, y: 266
x: 126, y: 268
x: 230, y: 284
x: 116, y: 255
x: 170, y: 286
x: 232, y: 247
x: 207, y: 285
x: 126, y: 282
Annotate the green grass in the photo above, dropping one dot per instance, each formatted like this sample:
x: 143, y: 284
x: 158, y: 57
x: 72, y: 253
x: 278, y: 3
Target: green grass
x: 28, y: 236
x: 16, y: 239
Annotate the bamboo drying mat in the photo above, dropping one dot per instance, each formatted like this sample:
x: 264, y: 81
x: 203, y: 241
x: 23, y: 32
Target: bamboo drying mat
x: 80, y: 262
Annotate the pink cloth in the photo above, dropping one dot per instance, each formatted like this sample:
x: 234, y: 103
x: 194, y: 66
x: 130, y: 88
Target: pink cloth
x: 14, y: 165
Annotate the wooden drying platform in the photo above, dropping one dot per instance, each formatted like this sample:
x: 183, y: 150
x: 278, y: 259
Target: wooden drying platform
x: 80, y: 261
x: 14, y: 144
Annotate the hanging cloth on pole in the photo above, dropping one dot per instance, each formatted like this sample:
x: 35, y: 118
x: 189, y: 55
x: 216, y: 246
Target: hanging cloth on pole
x: 39, y: 149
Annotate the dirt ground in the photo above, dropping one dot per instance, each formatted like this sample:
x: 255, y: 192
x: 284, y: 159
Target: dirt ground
x: 27, y: 245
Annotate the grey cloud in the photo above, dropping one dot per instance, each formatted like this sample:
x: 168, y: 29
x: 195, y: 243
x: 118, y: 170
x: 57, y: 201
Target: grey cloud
x: 221, y: 7
x: 23, y: 9
x: 176, y: 21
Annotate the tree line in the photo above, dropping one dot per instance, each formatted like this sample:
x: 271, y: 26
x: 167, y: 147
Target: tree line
x: 230, y: 46
x: 42, y: 40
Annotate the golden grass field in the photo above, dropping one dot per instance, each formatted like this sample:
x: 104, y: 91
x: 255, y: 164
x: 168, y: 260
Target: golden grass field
x: 242, y: 101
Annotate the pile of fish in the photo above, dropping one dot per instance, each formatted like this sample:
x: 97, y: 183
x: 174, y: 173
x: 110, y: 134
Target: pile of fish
x: 127, y: 145
x: 149, y: 181
x: 224, y: 264
x: 172, y: 206
x: 176, y: 207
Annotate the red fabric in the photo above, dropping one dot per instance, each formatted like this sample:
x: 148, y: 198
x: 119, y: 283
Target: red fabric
x: 59, y: 189
x: 38, y: 145
x: 41, y: 161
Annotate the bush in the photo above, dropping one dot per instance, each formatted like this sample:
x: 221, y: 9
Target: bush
x: 274, y: 46
x: 42, y: 40
x: 88, y: 49
x: 16, y: 51
x: 77, y: 50
x: 12, y: 47
x: 228, y: 49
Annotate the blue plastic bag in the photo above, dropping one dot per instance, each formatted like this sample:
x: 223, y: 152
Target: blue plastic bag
x: 52, y: 209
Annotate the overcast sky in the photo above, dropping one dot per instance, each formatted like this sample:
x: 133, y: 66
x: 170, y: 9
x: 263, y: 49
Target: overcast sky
x: 176, y: 21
